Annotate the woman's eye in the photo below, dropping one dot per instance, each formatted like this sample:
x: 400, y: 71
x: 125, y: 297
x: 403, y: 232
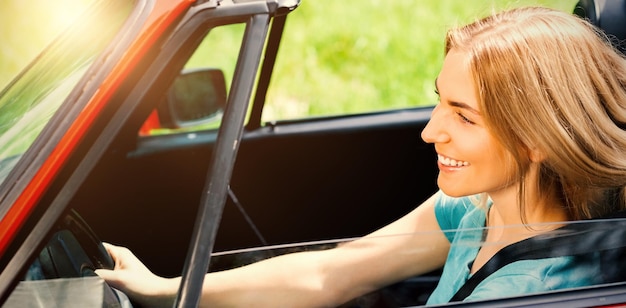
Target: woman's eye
x: 464, y: 119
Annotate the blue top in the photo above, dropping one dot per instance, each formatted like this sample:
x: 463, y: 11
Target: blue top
x: 464, y: 222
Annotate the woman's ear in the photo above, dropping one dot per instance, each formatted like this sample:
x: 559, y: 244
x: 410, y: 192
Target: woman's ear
x: 536, y: 155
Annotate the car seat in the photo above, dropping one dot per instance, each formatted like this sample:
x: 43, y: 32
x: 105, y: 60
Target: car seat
x: 608, y: 15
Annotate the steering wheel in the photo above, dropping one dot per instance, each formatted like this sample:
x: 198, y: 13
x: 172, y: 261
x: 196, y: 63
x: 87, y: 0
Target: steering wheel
x: 73, y: 251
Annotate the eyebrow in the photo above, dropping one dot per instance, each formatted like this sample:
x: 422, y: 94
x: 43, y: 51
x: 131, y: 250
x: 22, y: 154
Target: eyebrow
x: 458, y: 104
x: 464, y: 106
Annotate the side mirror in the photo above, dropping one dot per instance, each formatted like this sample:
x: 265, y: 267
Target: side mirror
x: 195, y: 97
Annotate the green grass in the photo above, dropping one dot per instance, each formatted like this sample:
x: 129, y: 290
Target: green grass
x: 338, y: 56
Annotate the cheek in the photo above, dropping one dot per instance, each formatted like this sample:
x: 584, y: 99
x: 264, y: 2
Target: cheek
x: 499, y: 157
x: 511, y: 168
x: 508, y: 164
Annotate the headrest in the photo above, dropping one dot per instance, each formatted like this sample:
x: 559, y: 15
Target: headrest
x: 608, y: 15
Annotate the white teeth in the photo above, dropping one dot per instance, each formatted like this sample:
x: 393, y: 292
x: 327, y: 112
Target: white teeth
x: 451, y: 162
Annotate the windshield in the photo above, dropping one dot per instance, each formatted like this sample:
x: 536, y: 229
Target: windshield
x: 28, y: 103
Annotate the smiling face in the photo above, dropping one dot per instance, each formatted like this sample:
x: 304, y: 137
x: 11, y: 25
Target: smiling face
x: 470, y: 158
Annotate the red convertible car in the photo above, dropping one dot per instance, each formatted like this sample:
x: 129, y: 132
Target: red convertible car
x: 145, y: 125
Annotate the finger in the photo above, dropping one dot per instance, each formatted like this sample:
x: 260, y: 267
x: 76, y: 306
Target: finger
x: 110, y: 248
x: 111, y: 278
x: 117, y: 252
x: 105, y: 274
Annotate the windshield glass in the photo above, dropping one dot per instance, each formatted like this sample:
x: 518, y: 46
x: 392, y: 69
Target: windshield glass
x: 28, y: 103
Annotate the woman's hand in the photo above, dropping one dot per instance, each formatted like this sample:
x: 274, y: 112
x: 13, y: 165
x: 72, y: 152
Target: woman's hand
x: 134, y: 279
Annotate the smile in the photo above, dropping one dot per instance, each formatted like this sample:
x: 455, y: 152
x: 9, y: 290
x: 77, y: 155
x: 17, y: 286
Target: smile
x: 446, y: 161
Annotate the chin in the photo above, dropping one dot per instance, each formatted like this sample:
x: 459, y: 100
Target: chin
x: 455, y: 192
x: 456, y: 195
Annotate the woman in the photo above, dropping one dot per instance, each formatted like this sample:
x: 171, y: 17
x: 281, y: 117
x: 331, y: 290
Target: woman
x: 529, y: 135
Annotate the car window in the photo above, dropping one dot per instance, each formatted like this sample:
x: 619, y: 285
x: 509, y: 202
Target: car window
x: 593, y: 249
x: 28, y: 104
x: 354, y: 56
x: 218, y: 52
x: 30, y: 101
x: 42, y: 20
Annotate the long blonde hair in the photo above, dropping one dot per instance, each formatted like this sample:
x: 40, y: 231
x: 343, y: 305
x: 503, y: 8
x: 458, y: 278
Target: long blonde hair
x: 549, y: 80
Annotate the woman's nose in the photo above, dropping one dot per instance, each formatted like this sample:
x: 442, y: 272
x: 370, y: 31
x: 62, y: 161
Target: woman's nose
x: 435, y: 131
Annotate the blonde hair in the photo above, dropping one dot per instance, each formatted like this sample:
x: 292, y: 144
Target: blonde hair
x: 550, y: 81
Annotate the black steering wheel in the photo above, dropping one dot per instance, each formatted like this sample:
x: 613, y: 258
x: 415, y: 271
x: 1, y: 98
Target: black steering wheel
x: 73, y: 251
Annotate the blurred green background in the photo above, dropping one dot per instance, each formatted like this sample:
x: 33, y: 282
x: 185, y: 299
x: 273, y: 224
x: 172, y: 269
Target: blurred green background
x: 339, y: 56
x: 354, y: 56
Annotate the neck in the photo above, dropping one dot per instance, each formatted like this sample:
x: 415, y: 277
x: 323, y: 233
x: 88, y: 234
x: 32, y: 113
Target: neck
x: 508, y: 211
x: 538, y: 208
x: 505, y: 221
